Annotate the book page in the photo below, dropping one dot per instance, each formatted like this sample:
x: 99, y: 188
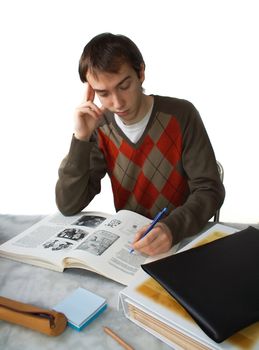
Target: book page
x: 49, y: 240
x: 107, y: 248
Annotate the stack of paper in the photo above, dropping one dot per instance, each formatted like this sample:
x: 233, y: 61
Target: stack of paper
x: 81, y: 308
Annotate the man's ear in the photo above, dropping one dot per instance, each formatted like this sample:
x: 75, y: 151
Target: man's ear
x: 142, y: 73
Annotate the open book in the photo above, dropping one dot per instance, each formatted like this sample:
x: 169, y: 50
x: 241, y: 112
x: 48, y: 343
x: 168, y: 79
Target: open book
x: 93, y: 241
x: 149, y: 305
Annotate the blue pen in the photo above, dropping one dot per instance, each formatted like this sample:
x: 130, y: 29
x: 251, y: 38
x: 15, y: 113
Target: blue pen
x: 153, y: 223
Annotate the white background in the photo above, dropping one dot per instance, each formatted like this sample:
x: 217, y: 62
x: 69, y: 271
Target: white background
x: 200, y: 50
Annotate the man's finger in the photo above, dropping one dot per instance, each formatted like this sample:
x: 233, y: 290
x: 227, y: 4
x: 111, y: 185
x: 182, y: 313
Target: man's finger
x: 90, y: 93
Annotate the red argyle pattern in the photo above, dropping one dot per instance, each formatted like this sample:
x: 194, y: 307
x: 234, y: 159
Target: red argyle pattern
x: 148, y: 177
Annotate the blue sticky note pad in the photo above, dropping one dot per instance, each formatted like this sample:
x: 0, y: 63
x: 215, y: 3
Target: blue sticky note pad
x: 81, y: 307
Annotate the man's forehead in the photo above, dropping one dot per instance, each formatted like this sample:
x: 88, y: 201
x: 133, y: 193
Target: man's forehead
x: 101, y: 80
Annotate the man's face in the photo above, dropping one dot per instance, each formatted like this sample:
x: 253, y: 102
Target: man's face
x: 121, y: 92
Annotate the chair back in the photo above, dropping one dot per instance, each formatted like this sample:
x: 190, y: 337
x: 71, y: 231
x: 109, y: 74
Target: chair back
x: 221, y: 174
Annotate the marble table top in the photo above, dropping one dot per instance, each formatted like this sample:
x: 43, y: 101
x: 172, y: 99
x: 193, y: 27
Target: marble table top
x: 45, y: 288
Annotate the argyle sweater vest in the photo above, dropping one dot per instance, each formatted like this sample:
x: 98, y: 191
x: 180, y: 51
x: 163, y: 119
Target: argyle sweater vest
x: 146, y: 176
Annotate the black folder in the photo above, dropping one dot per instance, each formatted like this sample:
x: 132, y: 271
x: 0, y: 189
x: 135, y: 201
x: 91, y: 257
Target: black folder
x: 217, y: 283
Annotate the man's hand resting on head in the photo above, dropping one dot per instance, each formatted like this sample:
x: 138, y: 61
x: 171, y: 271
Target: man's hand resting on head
x: 87, y: 116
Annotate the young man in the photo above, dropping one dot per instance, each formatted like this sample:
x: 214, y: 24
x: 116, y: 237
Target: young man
x: 155, y: 149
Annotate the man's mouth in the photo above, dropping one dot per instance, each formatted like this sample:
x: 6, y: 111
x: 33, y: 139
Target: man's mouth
x: 122, y: 113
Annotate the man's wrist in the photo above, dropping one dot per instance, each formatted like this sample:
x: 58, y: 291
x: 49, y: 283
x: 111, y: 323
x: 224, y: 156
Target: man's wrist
x: 80, y: 138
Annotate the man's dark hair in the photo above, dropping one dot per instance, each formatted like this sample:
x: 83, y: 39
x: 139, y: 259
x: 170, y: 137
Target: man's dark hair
x: 106, y: 52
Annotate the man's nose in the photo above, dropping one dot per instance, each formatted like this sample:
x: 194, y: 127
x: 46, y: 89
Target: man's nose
x: 118, y: 102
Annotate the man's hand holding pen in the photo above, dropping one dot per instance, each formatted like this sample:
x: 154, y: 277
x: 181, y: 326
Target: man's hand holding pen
x: 159, y: 240
x: 153, y: 239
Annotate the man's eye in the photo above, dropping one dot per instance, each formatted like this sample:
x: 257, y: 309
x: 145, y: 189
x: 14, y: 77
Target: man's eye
x: 103, y: 94
x: 125, y: 86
